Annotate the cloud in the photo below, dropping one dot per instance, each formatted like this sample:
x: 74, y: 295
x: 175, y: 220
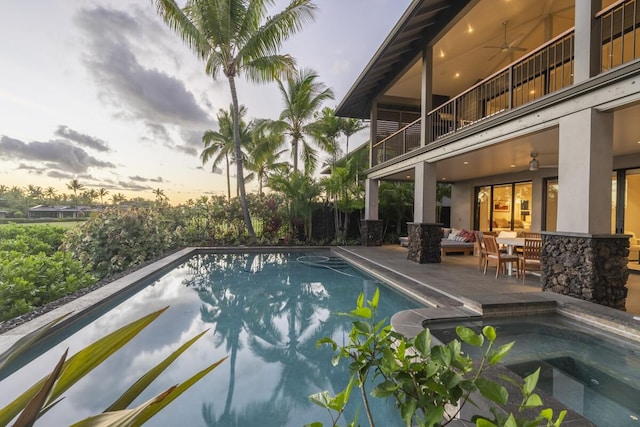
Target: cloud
x: 138, y: 178
x: 56, y: 154
x: 144, y: 93
x: 82, y: 139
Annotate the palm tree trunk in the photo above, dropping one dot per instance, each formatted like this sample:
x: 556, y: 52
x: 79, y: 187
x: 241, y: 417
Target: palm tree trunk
x: 226, y: 156
x: 294, y: 149
x: 239, y: 160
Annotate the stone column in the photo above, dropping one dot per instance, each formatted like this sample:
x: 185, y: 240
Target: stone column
x: 586, y: 266
x: 424, y: 242
x: 371, y: 232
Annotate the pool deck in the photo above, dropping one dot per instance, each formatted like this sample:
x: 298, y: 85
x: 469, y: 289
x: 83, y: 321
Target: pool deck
x: 456, y: 289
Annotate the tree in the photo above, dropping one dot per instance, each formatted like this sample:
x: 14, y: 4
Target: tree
x: 326, y: 130
x: 160, y: 196
x: 75, y: 186
x: 101, y: 193
x: 350, y: 127
x: 302, y: 96
x: 50, y: 194
x: 220, y: 145
x: 236, y: 37
x: 117, y: 198
x: 263, y: 153
x: 300, y: 191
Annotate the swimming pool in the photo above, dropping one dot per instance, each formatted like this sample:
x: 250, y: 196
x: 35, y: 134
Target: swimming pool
x: 593, y: 373
x: 265, y: 310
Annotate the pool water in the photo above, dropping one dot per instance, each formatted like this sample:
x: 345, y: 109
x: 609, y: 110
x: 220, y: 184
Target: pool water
x: 266, y: 311
x: 594, y: 373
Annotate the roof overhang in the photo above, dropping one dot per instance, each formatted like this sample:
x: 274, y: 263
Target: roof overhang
x: 419, y: 26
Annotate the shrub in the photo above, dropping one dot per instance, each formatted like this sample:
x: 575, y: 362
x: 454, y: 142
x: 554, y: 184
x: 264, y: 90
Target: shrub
x: 32, y: 280
x: 31, y: 239
x: 120, y: 239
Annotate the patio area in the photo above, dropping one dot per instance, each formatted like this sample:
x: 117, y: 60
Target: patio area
x: 457, y: 282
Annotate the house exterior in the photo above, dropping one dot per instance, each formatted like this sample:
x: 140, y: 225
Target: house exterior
x: 530, y: 110
x: 62, y: 211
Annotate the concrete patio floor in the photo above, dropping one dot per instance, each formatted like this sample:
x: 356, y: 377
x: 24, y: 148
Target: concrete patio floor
x: 456, y: 288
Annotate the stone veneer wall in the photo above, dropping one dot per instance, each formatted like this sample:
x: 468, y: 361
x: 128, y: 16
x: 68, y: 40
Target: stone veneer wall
x: 424, y: 242
x: 589, y: 267
x: 371, y: 232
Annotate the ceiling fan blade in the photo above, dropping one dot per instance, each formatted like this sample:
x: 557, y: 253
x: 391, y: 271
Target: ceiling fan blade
x: 492, y: 47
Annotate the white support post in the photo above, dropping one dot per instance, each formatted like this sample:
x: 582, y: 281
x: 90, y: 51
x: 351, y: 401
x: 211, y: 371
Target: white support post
x: 584, y: 172
x: 424, y: 208
x: 371, y: 199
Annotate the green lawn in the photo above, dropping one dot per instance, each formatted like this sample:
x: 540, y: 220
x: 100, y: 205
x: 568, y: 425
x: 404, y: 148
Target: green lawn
x: 65, y: 224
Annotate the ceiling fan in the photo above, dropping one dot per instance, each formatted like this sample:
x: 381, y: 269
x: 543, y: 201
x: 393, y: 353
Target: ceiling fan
x: 534, y: 163
x: 506, y: 46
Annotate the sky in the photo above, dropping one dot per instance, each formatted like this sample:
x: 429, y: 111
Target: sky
x: 105, y: 93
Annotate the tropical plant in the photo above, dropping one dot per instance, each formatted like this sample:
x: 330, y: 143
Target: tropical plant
x: 120, y: 239
x: 303, y: 96
x: 237, y: 37
x: 350, y: 127
x: 299, y: 191
x: 220, y: 145
x: 347, y: 195
x: 263, y: 154
x: 117, y: 198
x: 46, y: 393
x: 75, y: 186
x: 429, y: 383
x: 102, y: 193
x: 50, y: 194
x: 326, y: 130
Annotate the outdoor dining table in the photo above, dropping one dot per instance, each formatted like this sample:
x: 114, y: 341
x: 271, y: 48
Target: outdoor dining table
x: 510, y: 243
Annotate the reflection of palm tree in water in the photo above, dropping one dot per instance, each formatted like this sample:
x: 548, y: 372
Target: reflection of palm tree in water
x: 248, y: 293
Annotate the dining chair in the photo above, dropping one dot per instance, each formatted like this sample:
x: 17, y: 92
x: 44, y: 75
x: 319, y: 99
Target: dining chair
x: 531, y: 235
x: 500, y: 258
x: 530, y: 257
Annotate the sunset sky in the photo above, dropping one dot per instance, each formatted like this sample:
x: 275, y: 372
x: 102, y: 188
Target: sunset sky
x: 104, y: 92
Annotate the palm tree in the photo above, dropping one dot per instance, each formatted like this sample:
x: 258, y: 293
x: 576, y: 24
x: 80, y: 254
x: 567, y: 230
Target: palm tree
x: 75, y: 186
x: 50, y: 194
x: 302, y: 97
x: 101, y: 193
x: 91, y: 195
x: 326, y: 130
x: 117, y: 198
x: 35, y: 193
x: 219, y: 145
x: 236, y: 37
x: 263, y: 154
x: 300, y: 191
x: 160, y: 196
x: 350, y: 127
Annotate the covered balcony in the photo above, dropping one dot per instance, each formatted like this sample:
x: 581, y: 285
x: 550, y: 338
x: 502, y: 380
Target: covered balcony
x: 530, y: 57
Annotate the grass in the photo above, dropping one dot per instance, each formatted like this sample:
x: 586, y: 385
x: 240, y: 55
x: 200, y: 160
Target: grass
x: 65, y: 224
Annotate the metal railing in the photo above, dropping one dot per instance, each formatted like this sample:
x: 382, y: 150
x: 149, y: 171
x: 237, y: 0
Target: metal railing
x: 544, y: 70
x: 399, y: 142
x: 619, y: 33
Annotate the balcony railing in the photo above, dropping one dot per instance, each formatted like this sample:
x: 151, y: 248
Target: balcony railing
x: 544, y: 70
x: 619, y: 33
x: 400, y: 142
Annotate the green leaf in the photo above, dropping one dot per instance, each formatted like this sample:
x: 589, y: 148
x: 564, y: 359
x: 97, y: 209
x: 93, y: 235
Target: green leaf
x: 482, y: 422
x: 321, y: 399
x: 511, y: 421
x: 360, y: 301
x: 32, y: 411
x: 177, y: 391
x: 441, y: 354
x: 433, y: 415
x: 469, y: 336
x: 500, y: 353
x: 407, y: 409
x: 547, y: 414
x: 139, y: 386
x: 384, y: 389
x: 315, y: 424
x: 327, y: 340
x: 422, y: 342
x: 530, y: 382
x: 28, y: 341
x: 560, y: 418
x: 363, y: 327
x: 376, y: 298
x: 489, y: 332
x: 492, y: 391
x: 363, y: 312
x: 532, y: 401
x: 81, y: 364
